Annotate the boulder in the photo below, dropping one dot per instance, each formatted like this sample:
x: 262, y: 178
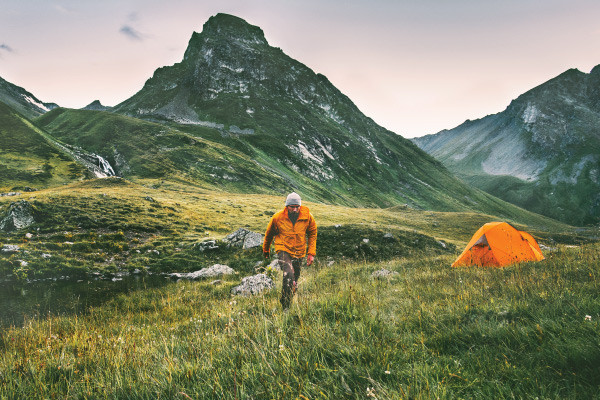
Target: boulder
x: 244, y: 238
x: 10, y: 248
x: 275, y: 265
x: 210, y: 272
x: 205, y: 245
x: 252, y: 285
x: 18, y: 216
x: 383, y: 273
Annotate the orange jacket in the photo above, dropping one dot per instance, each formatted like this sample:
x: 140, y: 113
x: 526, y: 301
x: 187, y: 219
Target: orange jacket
x: 292, y: 238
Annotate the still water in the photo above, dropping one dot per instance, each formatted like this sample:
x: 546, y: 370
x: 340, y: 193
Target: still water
x: 21, y: 301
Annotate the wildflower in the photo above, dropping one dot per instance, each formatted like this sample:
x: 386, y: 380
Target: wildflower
x: 387, y: 372
x: 588, y: 317
x: 280, y: 347
x: 371, y: 392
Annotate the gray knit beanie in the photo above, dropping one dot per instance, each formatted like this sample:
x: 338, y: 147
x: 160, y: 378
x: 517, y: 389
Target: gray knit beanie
x: 293, y: 199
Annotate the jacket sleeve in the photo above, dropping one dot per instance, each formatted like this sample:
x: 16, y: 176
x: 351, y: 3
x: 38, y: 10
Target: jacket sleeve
x: 311, y: 235
x: 269, y: 234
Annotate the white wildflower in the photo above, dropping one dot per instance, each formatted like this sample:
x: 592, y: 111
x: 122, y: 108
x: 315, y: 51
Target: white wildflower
x: 371, y: 392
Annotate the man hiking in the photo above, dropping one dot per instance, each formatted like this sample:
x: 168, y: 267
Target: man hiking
x: 291, y: 230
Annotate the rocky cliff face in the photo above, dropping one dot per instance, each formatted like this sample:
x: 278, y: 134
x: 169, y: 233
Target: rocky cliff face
x: 548, y: 139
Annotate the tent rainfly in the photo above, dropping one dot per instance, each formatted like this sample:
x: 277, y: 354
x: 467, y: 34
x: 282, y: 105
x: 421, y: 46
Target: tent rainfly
x: 498, y: 244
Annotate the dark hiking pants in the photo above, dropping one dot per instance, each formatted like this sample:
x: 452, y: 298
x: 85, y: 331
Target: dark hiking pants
x: 291, y: 273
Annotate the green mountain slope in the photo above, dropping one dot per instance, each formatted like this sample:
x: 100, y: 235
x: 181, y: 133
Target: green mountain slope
x: 22, y: 101
x: 28, y: 158
x: 147, y: 150
x: 291, y: 120
x: 141, y: 150
x: 541, y: 153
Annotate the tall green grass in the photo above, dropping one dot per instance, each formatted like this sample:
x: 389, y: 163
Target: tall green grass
x: 429, y: 331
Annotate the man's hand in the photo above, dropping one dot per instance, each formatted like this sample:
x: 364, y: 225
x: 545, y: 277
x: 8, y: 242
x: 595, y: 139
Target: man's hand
x: 266, y: 254
x: 309, y: 259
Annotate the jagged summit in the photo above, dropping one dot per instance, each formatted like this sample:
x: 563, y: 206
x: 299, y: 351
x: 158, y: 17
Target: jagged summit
x: 225, y: 25
x: 221, y: 29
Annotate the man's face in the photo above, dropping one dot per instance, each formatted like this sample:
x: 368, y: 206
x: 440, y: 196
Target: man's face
x: 293, y: 210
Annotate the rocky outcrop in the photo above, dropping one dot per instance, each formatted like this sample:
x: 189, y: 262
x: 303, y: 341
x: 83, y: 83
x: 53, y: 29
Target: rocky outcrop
x: 252, y: 285
x: 210, y: 272
x: 10, y: 248
x: 205, y: 245
x: 244, y: 238
x: 19, y: 215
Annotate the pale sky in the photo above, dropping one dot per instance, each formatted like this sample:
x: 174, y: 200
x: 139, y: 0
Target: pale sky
x: 414, y: 66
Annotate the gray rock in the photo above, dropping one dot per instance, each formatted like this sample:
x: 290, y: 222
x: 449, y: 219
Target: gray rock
x: 252, y: 285
x: 18, y: 216
x: 10, y: 248
x: 383, y: 273
x: 205, y: 245
x: 244, y: 238
x: 210, y: 272
x: 275, y: 265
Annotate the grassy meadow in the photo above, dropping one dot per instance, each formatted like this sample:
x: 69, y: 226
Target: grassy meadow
x: 425, y: 332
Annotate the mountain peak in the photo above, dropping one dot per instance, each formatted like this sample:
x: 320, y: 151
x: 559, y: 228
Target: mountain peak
x: 232, y: 27
x: 96, y: 106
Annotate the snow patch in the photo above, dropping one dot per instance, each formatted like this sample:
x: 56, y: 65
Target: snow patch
x: 36, y: 103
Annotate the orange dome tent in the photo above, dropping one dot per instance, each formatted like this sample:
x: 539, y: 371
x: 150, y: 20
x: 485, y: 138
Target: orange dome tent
x: 498, y: 244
